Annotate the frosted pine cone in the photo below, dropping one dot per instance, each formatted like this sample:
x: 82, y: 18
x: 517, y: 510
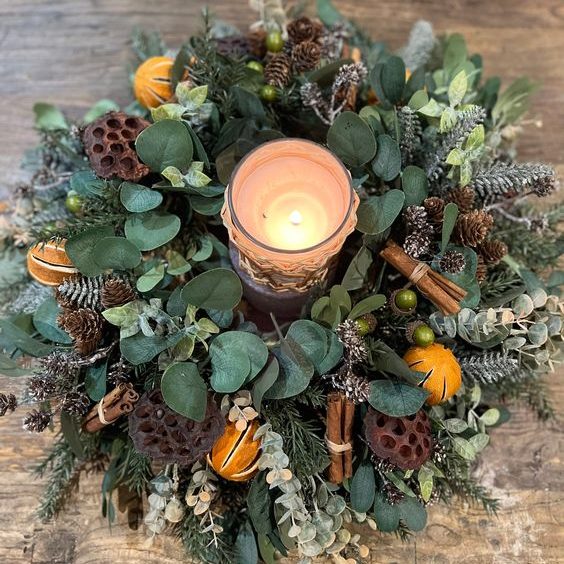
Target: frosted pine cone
x: 36, y: 421
x: 8, y: 402
x: 452, y: 262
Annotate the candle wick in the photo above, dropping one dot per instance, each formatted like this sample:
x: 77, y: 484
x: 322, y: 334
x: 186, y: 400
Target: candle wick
x: 295, y: 217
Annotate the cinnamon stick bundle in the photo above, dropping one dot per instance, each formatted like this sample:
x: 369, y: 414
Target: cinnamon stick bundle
x: 340, y: 417
x: 446, y: 295
x: 118, y: 402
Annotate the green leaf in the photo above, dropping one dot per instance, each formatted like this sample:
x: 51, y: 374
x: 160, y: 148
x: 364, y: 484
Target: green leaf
x: 137, y: 198
x: 151, y: 278
x: 418, y: 100
x: 184, y: 390
x: 387, y: 164
x: 71, y: 433
x: 455, y: 157
x: 95, y: 381
x: 479, y: 441
x: 387, y: 516
x: 351, y: 139
x: 125, y: 315
x: 415, y: 185
x: 475, y: 139
x: 296, y: 371
x: 174, y: 176
x: 116, y: 253
x: 327, y: 12
x: 357, y: 270
x: 425, y: 479
x: 413, y: 514
x: 449, y: 117
x: 191, y: 97
x: 45, y: 321
x: 10, y: 368
x: 457, y: 89
x: 236, y: 357
x: 431, y: 109
x: 167, y: 111
x: 396, y: 398
x: 247, y: 103
x: 165, y: 143
x: 152, y: 229
x: 206, y: 206
x: 377, y: 213
x: 490, y: 417
x: 264, y: 382
x: 455, y: 53
x: 245, y: 546
x: 180, y: 65
x: 177, y: 264
x: 258, y: 504
x: 455, y: 425
x: 79, y: 249
x: 449, y: 220
x: 48, y: 118
x: 392, y: 79
x: 363, y: 488
x: 367, y: 305
x: 464, y: 448
x: 99, y: 109
x: 140, y: 349
x: 219, y: 288
x: 87, y: 184
x: 19, y: 339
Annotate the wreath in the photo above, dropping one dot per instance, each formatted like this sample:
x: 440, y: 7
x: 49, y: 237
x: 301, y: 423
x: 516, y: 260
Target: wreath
x: 253, y: 434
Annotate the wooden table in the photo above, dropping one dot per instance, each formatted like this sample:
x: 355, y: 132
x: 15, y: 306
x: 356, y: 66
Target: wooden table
x: 73, y: 53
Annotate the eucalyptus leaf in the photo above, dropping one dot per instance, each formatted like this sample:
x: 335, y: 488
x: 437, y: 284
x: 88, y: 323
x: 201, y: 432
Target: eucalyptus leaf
x: 48, y: 118
x: 357, y: 270
x: 116, y: 253
x: 95, y: 381
x: 396, y: 398
x: 367, y: 305
x: 264, y: 382
x: 45, y: 321
x: 184, y: 390
x: 138, y: 198
x: 450, y: 214
x: 79, y: 248
x: 387, y: 164
x: 415, y: 185
x: 71, y: 432
x: 152, y: 229
x: 21, y: 340
x: 377, y: 213
x: 351, y: 139
x: 219, y: 288
x: 151, y: 278
x: 363, y: 488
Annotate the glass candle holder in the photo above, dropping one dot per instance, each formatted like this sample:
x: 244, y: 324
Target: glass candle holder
x: 288, y: 209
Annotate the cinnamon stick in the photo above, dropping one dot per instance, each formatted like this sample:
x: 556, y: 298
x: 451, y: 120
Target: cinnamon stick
x: 444, y: 293
x: 348, y: 421
x: 334, y: 415
x: 118, y: 402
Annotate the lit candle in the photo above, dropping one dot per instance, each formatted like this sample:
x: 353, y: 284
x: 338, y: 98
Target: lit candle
x: 289, y: 207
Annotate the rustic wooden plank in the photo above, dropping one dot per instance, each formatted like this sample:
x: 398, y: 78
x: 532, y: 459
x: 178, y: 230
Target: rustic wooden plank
x: 75, y: 52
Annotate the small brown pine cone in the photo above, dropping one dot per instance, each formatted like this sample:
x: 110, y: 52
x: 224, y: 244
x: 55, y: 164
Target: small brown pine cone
x: 233, y: 46
x: 481, y: 270
x: 305, y: 56
x: 463, y: 197
x: 492, y: 251
x: 278, y: 71
x: 257, y: 43
x: 116, y: 292
x: 85, y: 328
x: 304, y: 29
x: 435, y: 207
x: 473, y: 227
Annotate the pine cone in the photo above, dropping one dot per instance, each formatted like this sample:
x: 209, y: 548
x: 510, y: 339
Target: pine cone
x: 41, y: 387
x: 435, y: 207
x: 80, y: 292
x: 492, y: 251
x: 116, y: 292
x: 257, y: 43
x: 481, y: 270
x: 109, y: 144
x: 305, y: 56
x: 304, y: 29
x: 119, y: 373
x: 415, y: 218
x: 8, y: 402
x: 452, y: 262
x: 76, y: 403
x: 463, y: 197
x: 84, y: 326
x: 355, y: 387
x: 167, y: 436
x: 404, y: 441
x: 278, y: 71
x: 418, y: 243
x: 37, y: 421
x: 235, y: 46
x: 60, y: 365
x: 473, y: 227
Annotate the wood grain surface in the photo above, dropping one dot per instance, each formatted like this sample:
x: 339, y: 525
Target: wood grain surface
x: 74, y: 52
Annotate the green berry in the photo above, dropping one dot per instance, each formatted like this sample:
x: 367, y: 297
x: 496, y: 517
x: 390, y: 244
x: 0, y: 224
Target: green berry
x: 256, y: 66
x: 268, y: 93
x: 406, y: 300
x: 73, y: 202
x: 274, y: 41
x: 366, y: 324
x: 423, y: 336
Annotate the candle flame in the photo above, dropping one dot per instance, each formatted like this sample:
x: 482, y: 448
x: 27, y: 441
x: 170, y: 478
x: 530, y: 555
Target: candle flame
x: 295, y: 217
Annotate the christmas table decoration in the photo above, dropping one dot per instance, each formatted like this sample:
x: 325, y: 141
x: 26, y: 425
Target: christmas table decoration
x: 288, y: 290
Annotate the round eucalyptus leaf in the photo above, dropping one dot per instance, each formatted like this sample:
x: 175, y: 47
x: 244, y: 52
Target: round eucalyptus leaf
x: 184, y: 390
x: 219, y: 288
x: 165, y: 143
x: 351, y: 139
x: 377, y: 213
x: 79, y: 249
x: 116, y: 253
x: 45, y: 321
x: 387, y: 164
x: 152, y: 229
x: 137, y: 198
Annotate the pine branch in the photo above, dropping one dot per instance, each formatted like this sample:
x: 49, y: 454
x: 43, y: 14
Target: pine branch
x: 467, y: 121
x: 514, y: 179
x: 139, y: 471
x: 490, y: 367
x: 410, y: 140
